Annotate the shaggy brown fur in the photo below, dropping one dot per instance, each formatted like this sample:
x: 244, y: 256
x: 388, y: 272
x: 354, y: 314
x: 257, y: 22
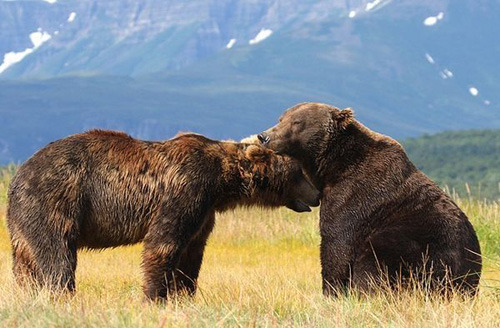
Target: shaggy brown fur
x: 104, y: 189
x: 379, y: 213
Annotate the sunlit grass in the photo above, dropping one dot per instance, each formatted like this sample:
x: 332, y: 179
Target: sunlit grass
x: 261, y: 268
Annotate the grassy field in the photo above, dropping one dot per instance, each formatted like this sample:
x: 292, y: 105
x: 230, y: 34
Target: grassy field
x: 261, y: 268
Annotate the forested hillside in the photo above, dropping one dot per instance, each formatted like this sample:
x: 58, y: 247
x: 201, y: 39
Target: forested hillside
x: 460, y: 158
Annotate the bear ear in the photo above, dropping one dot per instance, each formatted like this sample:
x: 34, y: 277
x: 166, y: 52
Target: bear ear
x: 257, y: 153
x: 183, y: 133
x: 345, y: 117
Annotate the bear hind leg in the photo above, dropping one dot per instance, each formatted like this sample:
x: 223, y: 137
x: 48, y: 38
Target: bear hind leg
x: 56, y: 258
x: 58, y: 265
x: 25, y: 268
x: 52, y: 264
x: 59, y: 272
x: 401, y: 265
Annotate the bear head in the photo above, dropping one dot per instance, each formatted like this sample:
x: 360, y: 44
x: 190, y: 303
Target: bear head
x: 305, y: 129
x: 279, y: 180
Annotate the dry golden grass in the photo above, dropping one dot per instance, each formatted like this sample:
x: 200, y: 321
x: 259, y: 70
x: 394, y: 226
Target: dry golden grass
x: 261, y: 268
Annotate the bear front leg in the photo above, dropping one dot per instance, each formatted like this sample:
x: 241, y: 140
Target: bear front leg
x: 167, y: 238
x: 335, y: 270
x: 186, y: 275
x: 337, y: 254
x: 159, y: 260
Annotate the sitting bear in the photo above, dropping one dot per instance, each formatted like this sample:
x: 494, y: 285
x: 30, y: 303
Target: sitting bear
x: 105, y: 189
x: 379, y: 213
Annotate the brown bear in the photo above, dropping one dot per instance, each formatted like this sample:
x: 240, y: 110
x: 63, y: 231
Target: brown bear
x: 379, y: 216
x: 104, y: 189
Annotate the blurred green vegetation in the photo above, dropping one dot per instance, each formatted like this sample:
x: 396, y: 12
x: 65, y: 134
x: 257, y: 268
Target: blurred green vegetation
x: 464, y: 162
x: 6, y: 174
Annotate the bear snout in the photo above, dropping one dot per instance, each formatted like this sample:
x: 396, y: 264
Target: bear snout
x: 308, y: 194
x: 313, y: 198
x: 316, y: 199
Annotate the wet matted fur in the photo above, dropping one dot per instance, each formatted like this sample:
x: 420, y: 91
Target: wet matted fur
x: 379, y: 213
x: 104, y: 189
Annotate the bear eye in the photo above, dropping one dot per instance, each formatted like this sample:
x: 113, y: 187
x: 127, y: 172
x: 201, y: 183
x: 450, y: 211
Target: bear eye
x: 295, y: 122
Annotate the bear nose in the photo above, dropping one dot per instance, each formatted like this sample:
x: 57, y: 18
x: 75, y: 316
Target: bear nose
x: 263, y: 138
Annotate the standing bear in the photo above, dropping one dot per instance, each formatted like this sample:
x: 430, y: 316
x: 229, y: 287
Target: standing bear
x: 380, y: 216
x: 104, y: 189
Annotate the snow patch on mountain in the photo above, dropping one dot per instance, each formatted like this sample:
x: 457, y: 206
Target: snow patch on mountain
x: 432, y: 20
x: 261, y: 36
x: 448, y: 73
x: 50, y: 1
x: 37, y: 39
x: 373, y: 4
x: 429, y: 58
x: 352, y: 14
x: 473, y: 91
x: 71, y: 17
x: 230, y: 44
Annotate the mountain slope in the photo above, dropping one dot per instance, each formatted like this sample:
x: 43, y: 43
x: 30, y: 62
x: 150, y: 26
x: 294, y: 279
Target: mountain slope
x: 155, y: 67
